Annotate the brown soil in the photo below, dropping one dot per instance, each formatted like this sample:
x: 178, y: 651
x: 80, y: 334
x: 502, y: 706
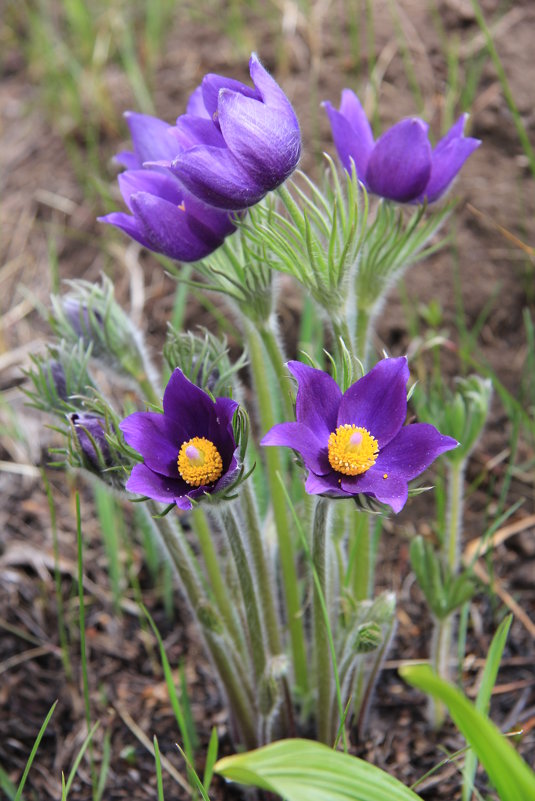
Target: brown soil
x: 44, y: 205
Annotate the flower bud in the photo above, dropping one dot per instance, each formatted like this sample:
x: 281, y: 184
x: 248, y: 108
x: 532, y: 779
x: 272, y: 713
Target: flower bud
x: 90, y: 433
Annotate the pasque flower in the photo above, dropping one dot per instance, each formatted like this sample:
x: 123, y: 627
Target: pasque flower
x: 236, y: 142
x: 355, y: 442
x: 164, y: 216
x: 188, y: 451
x: 401, y: 165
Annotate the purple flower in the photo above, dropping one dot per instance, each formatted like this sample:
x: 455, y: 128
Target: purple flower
x: 90, y: 430
x: 188, y: 451
x: 356, y: 442
x: 164, y: 216
x: 401, y: 165
x: 236, y: 142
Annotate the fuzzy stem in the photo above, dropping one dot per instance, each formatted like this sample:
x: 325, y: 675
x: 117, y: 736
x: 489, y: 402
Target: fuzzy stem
x: 441, y: 643
x: 232, y: 680
x: 264, y: 573
x: 362, y: 562
x: 362, y: 335
x: 324, y: 722
x: 274, y: 468
x: 212, y: 564
x: 233, y: 530
x: 278, y: 359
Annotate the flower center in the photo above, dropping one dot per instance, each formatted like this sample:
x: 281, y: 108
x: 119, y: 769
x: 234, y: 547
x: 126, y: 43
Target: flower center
x: 352, y: 450
x: 199, y: 462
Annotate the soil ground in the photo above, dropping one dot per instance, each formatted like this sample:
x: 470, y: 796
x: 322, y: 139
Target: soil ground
x: 45, y: 208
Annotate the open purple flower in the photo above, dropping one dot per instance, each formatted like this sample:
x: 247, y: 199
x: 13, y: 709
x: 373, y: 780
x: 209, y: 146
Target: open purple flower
x: 356, y: 442
x: 401, y: 165
x: 164, y: 216
x: 236, y: 142
x: 188, y: 451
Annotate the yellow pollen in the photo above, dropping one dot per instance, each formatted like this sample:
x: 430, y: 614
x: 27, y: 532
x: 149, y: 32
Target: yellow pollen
x: 199, y: 462
x: 182, y: 206
x: 352, y: 450
x: 385, y: 475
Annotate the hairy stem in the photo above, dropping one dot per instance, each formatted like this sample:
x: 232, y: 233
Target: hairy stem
x: 274, y: 466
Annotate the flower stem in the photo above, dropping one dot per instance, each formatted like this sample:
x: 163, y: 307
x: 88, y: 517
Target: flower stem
x: 277, y: 359
x: 324, y: 722
x: 362, y: 334
x: 323, y: 658
x: 274, y: 468
x: 234, y: 528
x: 212, y: 564
x: 232, y: 679
x: 263, y: 570
x: 361, y: 548
x: 441, y: 643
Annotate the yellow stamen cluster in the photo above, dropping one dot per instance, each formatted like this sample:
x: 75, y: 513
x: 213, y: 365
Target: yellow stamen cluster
x: 199, y: 462
x: 352, y: 450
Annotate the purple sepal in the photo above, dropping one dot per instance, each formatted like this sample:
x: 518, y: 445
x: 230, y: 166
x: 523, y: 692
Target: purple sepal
x: 90, y: 430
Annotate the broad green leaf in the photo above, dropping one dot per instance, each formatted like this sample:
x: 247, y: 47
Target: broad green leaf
x: 512, y: 778
x: 302, y: 770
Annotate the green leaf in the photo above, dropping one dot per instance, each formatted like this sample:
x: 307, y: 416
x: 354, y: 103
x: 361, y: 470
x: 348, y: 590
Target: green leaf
x: 302, y: 770
x: 512, y: 778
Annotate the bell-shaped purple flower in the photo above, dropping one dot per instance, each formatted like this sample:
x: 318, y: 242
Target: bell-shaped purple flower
x: 401, y: 165
x: 236, y: 142
x: 355, y: 442
x: 164, y: 216
x: 188, y: 451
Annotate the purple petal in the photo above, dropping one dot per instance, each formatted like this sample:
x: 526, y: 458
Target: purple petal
x: 318, y: 399
x: 351, y: 132
x: 400, y: 163
x: 378, y: 401
x: 150, y: 137
x: 219, y: 222
x: 412, y: 450
x: 266, y: 142
x: 191, y: 130
x: 143, y: 481
x: 269, y: 90
x: 128, y: 159
x: 196, y: 105
x: 447, y: 160
x: 186, y: 403
x: 171, y: 231
x: 155, y: 183
x: 455, y: 132
x: 392, y: 490
x: 328, y: 484
x: 158, y: 438
x: 130, y: 225
x: 303, y: 440
x: 211, y: 87
x: 220, y: 430
x: 214, y: 176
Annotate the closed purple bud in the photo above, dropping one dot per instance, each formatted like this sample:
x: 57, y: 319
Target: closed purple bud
x: 78, y: 316
x: 237, y: 143
x: 90, y: 432
x: 55, y: 371
x: 401, y: 165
